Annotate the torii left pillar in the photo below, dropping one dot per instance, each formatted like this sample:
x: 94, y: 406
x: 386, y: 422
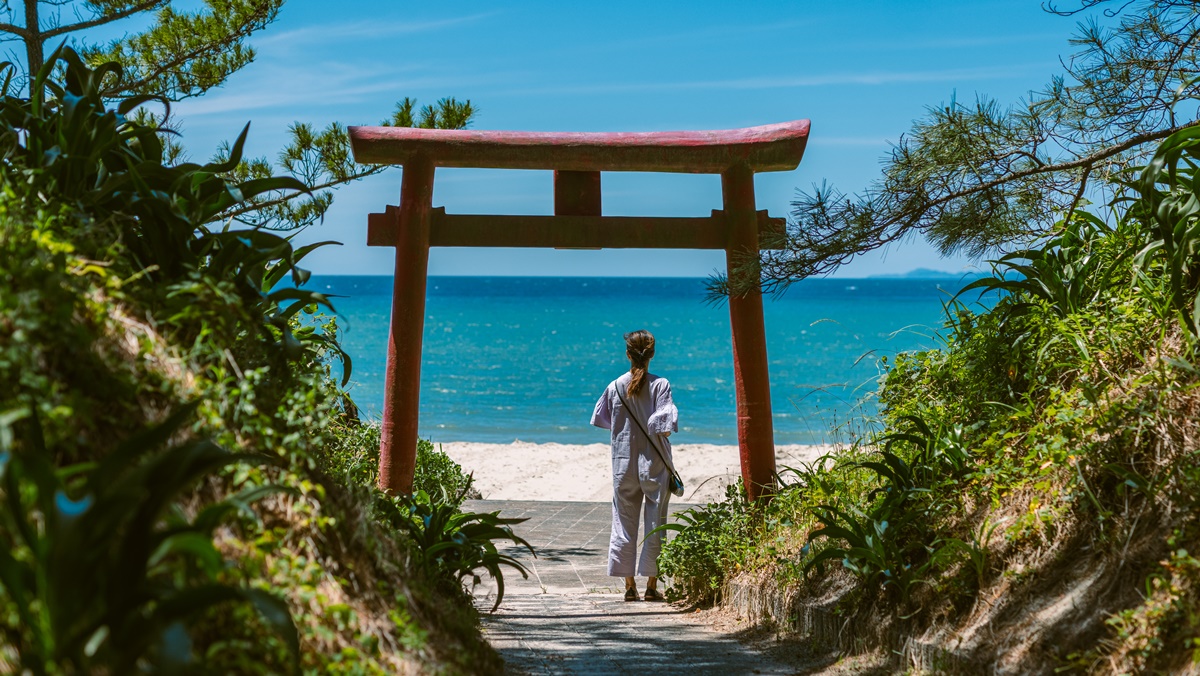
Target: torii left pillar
x: 398, y: 443
x: 577, y: 160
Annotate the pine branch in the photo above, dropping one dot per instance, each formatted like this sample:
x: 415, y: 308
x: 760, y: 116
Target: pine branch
x: 15, y: 30
x: 324, y: 161
x: 100, y: 20
x: 247, y: 208
x: 168, y: 67
x: 833, y: 245
x: 185, y: 54
x: 979, y: 179
x: 1086, y: 162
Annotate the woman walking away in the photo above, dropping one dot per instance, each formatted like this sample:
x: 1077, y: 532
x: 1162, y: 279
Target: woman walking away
x: 634, y: 406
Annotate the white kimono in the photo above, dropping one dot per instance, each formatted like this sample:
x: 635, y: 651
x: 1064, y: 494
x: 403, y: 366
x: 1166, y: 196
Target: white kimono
x: 646, y: 479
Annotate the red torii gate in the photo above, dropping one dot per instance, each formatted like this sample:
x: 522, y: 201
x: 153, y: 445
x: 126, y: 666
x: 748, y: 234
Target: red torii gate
x: 577, y: 160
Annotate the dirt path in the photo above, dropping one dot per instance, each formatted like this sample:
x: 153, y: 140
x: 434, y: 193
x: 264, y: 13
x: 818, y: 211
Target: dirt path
x: 569, y: 616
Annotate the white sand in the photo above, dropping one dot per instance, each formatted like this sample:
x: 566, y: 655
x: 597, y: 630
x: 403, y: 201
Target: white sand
x: 528, y: 471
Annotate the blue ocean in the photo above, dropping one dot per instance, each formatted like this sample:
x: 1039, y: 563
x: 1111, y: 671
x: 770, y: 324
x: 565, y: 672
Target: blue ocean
x: 526, y: 358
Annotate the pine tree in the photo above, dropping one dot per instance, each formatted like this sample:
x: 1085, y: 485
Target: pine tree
x: 185, y: 53
x: 974, y: 178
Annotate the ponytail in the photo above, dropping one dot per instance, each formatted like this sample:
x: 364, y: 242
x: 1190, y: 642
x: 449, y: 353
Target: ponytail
x: 639, y: 347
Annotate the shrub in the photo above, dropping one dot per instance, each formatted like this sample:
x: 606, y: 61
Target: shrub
x: 1056, y: 429
x: 710, y: 543
x: 353, y: 457
x: 68, y: 146
x: 439, y: 476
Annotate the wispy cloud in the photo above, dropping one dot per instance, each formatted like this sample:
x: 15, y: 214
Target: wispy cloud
x: 256, y: 100
x: 310, y: 86
x: 870, y: 78
x: 359, y: 30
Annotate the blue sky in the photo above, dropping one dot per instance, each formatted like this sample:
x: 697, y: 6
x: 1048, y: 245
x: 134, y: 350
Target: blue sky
x: 860, y: 70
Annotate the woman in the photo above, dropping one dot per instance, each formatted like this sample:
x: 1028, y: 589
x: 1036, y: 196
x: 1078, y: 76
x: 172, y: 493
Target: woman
x: 640, y: 474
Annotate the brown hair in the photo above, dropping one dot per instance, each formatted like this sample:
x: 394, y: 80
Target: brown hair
x: 639, y: 347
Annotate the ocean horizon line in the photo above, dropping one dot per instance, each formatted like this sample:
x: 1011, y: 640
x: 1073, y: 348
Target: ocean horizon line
x: 935, y: 276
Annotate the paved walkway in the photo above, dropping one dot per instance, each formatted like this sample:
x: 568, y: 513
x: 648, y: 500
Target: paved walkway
x: 569, y: 616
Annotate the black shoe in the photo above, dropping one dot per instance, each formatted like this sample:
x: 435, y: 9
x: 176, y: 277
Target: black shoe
x: 631, y: 594
x: 654, y: 595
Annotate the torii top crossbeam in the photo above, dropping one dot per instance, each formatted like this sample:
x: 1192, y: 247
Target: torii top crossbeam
x: 577, y: 160
x: 772, y: 147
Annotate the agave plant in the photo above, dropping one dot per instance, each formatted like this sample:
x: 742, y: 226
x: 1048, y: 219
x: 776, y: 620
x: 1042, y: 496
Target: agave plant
x: 1067, y: 272
x: 938, y: 452
x: 1167, y: 202
x: 104, y: 577
x: 455, y: 543
x: 888, y: 542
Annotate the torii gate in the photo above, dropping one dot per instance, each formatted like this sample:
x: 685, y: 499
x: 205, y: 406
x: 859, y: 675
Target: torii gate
x: 576, y: 160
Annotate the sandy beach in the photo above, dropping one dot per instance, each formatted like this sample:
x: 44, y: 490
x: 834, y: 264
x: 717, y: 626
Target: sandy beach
x: 528, y: 471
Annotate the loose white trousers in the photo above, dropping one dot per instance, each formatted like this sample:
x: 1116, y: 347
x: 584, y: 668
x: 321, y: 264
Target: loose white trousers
x: 630, y: 493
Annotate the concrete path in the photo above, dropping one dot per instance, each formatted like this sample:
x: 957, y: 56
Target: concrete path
x: 569, y: 616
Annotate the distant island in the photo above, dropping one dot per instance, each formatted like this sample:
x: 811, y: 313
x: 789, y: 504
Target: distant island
x: 927, y: 273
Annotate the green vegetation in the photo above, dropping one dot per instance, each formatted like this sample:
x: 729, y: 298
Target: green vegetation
x: 106, y: 578
x: 1051, y: 444
x: 185, y: 487
x: 452, y: 545
x: 711, y: 542
x: 456, y: 544
x: 354, y: 458
x: 1026, y: 500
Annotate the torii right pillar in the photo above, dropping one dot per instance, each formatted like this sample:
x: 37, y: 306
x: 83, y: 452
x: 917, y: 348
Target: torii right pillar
x: 756, y: 437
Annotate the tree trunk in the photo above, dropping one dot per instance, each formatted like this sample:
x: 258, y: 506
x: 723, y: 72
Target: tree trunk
x: 33, y: 39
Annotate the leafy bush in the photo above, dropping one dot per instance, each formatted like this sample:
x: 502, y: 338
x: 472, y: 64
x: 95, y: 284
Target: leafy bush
x: 68, y: 146
x: 439, y: 476
x: 710, y: 543
x: 354, y: 457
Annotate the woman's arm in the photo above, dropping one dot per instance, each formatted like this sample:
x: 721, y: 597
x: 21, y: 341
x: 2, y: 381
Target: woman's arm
x: 665, y: 418
x: 602, y: 414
